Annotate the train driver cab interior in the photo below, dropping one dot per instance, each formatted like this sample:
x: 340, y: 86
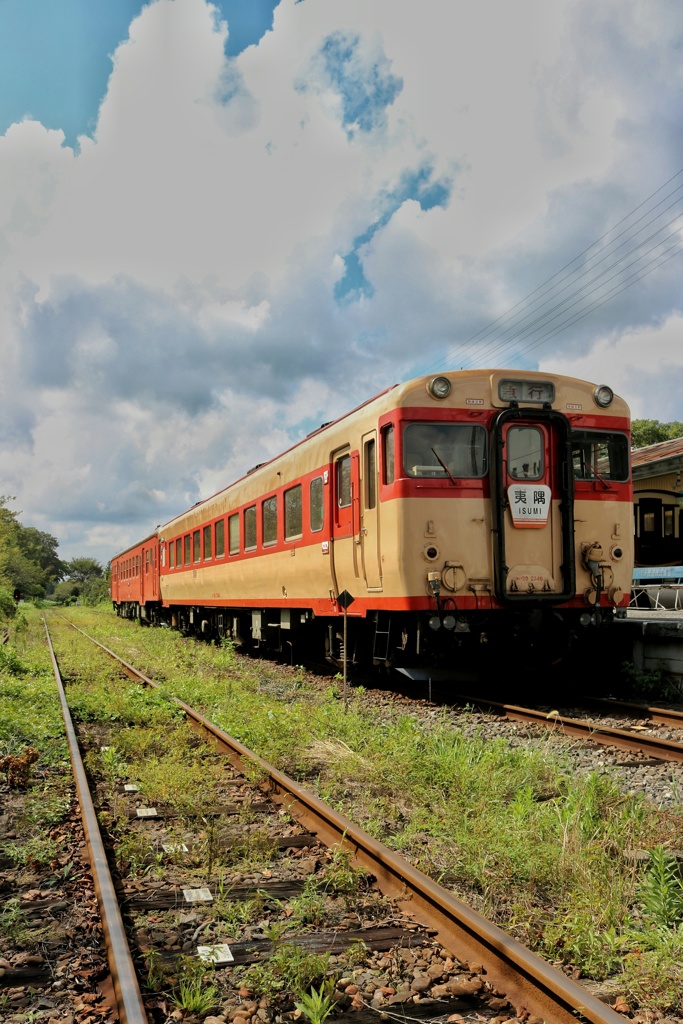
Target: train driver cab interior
x: 448, y: 450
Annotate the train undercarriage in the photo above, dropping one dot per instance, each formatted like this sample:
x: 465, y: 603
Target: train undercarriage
x: 412, y: 642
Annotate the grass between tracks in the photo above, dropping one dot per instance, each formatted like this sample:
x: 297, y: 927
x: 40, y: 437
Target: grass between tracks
x: 542, y: 851
x: 30, y: 716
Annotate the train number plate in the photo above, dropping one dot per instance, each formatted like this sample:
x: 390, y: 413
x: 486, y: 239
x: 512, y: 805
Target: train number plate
x: 529, y: 505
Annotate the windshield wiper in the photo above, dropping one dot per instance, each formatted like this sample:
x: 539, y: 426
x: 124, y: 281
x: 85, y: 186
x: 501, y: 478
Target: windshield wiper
x: 445, y: 468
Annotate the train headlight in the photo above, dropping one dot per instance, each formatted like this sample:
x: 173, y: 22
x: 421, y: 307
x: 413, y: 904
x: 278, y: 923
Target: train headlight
x: 439, y: 387
x: 603, y: 396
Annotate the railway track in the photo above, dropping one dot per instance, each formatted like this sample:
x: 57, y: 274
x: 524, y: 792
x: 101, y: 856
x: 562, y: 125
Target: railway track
x: 509, y: 970
x: 128, y: 999
x: 651, y: 745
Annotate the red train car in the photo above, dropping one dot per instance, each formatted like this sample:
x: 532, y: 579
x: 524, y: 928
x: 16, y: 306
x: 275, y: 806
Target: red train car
x: 135, y: 579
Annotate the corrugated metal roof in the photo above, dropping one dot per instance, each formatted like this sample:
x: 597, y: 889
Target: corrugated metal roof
x: 657, y: 452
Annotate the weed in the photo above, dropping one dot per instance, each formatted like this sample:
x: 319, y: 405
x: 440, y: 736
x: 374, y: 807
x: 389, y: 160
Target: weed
x: 309, y: 906
x: 38, y: 849
x: 341, y: 876
x: 112, y: 765
x: 661, y: 890
x: 11, y: 662
x: 133, y: 853
x: 318, y: 1004
x: 156, y: 973
x: 357, y: 953
x: 14, y: 923
x: 289, y: 969
x: 192, y: 993
x: 237, y: 913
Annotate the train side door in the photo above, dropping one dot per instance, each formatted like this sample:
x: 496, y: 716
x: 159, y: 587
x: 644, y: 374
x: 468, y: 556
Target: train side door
x: 533, y: 508
x: 345, y: 521
x: 369, y: 526
x: 144, y: 571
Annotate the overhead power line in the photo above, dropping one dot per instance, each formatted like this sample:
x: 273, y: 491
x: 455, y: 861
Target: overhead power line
x: 547, y: 310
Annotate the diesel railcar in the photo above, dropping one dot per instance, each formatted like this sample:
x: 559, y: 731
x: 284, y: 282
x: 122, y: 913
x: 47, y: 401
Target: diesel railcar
x: 467, y: 508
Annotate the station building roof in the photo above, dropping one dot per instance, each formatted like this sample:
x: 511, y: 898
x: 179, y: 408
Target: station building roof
x: 656, y: 460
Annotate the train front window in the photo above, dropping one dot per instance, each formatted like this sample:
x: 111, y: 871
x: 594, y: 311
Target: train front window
x: 600, y: 456
x: 438, y: 450
x: 525, y: 453
x: 388, y: 438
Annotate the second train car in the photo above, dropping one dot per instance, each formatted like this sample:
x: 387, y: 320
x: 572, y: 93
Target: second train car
x: 455, y: 510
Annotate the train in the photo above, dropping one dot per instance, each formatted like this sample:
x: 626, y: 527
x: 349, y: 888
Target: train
x: 454, y: 513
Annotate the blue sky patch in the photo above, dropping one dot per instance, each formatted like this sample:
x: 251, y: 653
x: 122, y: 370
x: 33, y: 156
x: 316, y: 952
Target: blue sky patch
x: 55, y: 58
x: 366, y: 88
x: 418, y: 185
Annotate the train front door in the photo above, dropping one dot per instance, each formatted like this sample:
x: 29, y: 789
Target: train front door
x: 533, y: 501
x: 345, y: 522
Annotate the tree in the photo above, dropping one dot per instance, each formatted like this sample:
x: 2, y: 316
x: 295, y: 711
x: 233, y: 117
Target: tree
x: 645, y: 432
x: 81, y: 570
x: 85, y: 578
x: 28, y: 557
x: 41, y: 549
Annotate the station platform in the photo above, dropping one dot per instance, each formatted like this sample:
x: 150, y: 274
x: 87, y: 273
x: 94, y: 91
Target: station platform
x: 654, y: 637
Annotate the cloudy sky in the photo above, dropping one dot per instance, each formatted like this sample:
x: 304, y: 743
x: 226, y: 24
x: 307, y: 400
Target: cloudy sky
x: 223, y: 223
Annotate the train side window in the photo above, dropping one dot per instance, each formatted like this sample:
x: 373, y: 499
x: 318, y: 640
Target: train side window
x: 138, y: 565
x: 197, y: 545
x: 171, y: 553
x: 370, y: 472
x: 600, y: 455
x: 188, y: 549
x: 147, y: 562
x: 234, y: 534
x: 208, y: 547
x: 316, y: 512
x: 388, y: 444
x: 179, y: 552
x: 163, y: 556
x: 220, y: 538
x: 293, y: 518
x: 525, y: 453
x: 269, y: 521
x: 648, y: 523
x: 344, y: 481
x: 250, y: 528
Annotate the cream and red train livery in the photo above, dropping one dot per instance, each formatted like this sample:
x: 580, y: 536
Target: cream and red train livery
x: 452, y: 509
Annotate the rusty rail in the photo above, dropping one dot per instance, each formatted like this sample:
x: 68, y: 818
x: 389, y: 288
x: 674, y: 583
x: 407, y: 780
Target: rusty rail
x: 128, y: 996
x: 658, y: 716
x: 653, y: 746
x: 527, y: 980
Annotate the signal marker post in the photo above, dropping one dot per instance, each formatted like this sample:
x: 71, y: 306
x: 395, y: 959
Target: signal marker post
x: 345, y: 600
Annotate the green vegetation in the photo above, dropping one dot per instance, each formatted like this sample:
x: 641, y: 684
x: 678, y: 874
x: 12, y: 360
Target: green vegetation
x: 192, y: 992
x: 645, y: 432
x: 317, y: 1004
x: 514, y: 830
x: 31, y: 568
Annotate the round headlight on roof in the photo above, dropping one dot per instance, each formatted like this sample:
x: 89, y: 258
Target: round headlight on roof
x: 603, y: 396
x: 439, y: 387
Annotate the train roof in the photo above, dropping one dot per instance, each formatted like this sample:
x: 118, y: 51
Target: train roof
x: 400, y: 390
